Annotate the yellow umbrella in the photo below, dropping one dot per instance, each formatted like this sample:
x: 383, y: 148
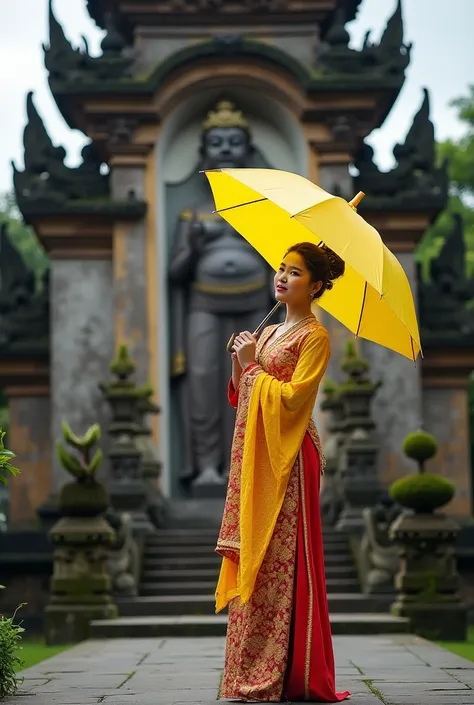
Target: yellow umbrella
x: 275, y: 209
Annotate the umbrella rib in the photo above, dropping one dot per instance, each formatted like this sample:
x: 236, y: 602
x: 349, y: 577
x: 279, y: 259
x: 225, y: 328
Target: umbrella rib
x: 362, y: 308
x: 240, y: 205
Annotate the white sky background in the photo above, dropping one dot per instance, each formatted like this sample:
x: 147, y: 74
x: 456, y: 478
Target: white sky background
x: 442, y: 60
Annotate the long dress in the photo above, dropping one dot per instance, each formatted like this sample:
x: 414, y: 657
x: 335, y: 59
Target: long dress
x: 279, y: 643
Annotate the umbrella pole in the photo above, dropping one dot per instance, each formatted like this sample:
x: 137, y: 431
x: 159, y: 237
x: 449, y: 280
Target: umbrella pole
x: 259, y: 328
x: 353, y: 203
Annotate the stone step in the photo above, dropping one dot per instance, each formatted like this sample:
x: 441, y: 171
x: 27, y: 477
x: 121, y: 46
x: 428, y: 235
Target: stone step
x: 181, y: 588
x: 191, y: 537
x: 177, y: 575
x: 178, y: 551
x: 213, y: 561
x: 216, y: 625
x: 182, y: 562
x: 156, y: 550
x: 338, y: 559
x: 200, y: 574
x: 340, y: 571
x: 342, y: 585
x: 170, y: 538
x: 207, y: 587
x: 181, y: 605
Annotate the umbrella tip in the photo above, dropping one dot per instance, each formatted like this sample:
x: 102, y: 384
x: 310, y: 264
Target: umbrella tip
x: 356, y: 200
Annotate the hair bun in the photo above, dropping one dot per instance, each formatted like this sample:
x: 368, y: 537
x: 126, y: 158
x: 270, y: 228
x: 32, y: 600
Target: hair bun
x: 336, y: 265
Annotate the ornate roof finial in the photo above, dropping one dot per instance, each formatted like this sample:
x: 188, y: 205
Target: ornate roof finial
x: 452, y: 256
x: 225, y: 115
x: 391, y: 44
x: 338, y: 34
x: 60, y: 58
x: 420, y: 140
x: 113, y: 43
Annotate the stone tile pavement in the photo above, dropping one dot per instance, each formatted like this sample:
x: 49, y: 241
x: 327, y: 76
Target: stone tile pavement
x: 392, y: 670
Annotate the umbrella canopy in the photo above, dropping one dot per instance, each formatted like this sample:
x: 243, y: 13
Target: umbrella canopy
x: 274, y: 210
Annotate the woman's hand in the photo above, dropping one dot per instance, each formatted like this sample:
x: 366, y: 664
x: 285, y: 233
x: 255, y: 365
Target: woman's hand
x: 244, y: 346
x: 235, y: 359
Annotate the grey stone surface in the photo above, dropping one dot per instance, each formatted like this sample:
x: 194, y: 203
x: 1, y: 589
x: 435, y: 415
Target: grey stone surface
x: 392, y: 670
x: 82, y: 345
x: 130, y: 275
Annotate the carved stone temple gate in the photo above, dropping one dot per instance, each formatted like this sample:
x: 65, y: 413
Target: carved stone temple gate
x: 179, y: 85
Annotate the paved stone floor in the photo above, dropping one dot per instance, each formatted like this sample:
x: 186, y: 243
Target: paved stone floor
x: 393, y: 670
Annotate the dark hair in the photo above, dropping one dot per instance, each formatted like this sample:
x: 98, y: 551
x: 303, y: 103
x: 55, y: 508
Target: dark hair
x: 323, y: 264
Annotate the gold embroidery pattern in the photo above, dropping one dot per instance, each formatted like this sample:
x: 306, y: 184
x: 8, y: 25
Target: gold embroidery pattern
x: 258, y: 632
x: 309, y: 633
x: 279, y: 359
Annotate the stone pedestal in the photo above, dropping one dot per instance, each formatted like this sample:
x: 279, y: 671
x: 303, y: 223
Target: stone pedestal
x: 209, y: 485
x: 331, y: 488
x: 360, y: 486
x: 427, y: 583
x: 358, y: 459
x: 80, y: 586
x: 127, y: 488
x: 151, y: 466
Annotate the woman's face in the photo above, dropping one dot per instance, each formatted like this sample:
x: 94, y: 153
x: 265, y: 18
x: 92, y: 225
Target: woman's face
x: 293, y: 283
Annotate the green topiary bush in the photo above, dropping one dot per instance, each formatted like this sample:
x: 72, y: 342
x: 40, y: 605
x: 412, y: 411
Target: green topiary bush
x: 423, y: 493
x: 420, y: 446
x: 10, y: 637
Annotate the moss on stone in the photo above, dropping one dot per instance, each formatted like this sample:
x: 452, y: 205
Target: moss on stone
x: 422, y: 492
x: 420, y: 446
x: 83, y: 499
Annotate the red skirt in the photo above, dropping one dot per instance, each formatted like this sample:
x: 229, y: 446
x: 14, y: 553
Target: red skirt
x: 279, y: 644
x: 310, y: 672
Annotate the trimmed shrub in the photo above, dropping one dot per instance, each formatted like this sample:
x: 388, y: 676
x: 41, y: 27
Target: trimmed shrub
x: 422, y: 492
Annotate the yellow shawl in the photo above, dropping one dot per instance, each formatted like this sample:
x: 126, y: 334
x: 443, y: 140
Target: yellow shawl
x: 277, y: 419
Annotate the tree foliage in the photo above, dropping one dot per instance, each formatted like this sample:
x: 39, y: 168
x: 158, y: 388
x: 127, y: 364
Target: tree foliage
x: 460, y: 155
x: 23, y: 237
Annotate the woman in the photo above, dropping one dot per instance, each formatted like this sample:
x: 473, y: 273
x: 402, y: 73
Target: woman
x: 279, y: 644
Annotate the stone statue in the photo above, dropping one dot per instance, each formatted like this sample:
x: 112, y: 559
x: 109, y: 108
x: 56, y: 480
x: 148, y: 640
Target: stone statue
x: 219, y: 285
x: 378, y: 555
x: 124, y: 561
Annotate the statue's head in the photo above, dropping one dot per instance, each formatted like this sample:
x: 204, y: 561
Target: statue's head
x: 226, y: 142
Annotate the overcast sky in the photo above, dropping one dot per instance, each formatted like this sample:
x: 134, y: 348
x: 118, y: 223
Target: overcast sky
x: 442, y: 60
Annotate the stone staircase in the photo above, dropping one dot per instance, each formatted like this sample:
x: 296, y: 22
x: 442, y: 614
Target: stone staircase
x: 179, y: 576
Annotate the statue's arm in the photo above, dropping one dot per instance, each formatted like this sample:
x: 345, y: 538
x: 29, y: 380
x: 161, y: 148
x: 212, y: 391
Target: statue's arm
x: 182, y: 253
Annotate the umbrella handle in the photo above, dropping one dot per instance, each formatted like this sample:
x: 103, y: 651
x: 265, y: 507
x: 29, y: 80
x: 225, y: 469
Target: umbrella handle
x: 230, y: 344
x: 258, y: 329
